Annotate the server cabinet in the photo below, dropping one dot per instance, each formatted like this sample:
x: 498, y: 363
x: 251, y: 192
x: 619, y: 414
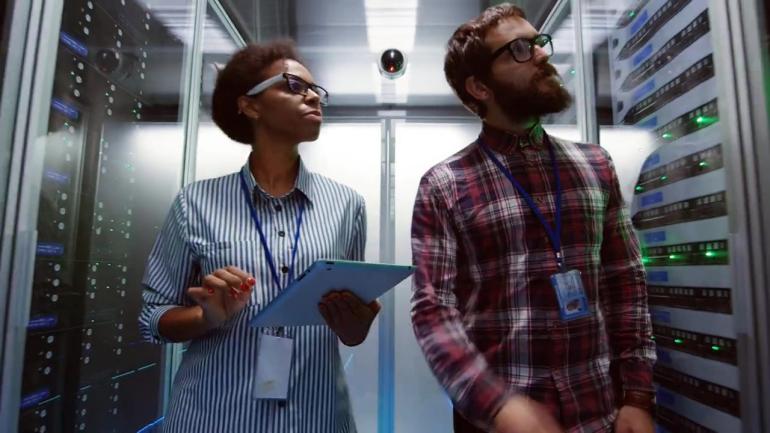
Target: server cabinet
x: 111, y: 163
x: 663, y: 80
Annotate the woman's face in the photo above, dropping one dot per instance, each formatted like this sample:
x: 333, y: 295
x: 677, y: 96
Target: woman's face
x: 283, y: 112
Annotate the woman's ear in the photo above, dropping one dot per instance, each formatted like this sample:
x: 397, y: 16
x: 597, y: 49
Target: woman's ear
x: 248, y: 107
x: 477, y: 89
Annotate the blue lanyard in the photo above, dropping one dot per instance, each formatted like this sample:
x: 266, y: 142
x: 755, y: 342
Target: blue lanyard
x: 269, y: 254
x: 553, y: 235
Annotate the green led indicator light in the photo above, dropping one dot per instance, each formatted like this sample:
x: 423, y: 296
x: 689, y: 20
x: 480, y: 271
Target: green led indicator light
x: 572, y: 71
x: 674, y: 257
x: 645, y: 260
x: 668, y: 135
x: 705, y: 120
x: 632, y: 14
x: 639, y: 188
x: 715, y: 348
x: 711, y: 254
x: 664, y: 178
x: 703, y: 164
x: 678, y: 341
x: 652, y: 337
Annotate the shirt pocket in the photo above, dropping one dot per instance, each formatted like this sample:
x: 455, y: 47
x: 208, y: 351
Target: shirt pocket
x: 245, y: 255
x: 242, y: 254
x: 494, y: 231
x: 583, y: 218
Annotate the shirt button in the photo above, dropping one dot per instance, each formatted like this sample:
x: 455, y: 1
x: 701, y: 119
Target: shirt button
x: 278, y: 208
x: 281, y: 233
x: 285, y: 269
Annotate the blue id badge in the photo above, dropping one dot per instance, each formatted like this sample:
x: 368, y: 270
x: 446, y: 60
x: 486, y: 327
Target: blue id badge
x: 571, y: 295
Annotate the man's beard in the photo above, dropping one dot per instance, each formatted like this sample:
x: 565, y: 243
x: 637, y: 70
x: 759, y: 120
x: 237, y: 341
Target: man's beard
x: 531, y: 100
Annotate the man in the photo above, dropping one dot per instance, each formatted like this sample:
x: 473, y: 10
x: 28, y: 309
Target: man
x: 530, y: 301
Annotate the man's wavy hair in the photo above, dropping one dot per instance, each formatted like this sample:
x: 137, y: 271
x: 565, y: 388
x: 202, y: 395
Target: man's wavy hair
x: 467, y: 55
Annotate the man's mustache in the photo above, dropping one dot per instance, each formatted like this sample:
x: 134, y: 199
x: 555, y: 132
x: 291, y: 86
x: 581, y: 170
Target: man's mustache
x: 546, y: 70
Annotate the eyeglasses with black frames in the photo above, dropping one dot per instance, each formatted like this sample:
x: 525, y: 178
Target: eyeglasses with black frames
x: 294, y: 83
x: 523, y: 49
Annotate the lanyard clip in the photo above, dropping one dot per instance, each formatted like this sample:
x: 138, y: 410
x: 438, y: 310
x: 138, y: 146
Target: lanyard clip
x: 560, y: 261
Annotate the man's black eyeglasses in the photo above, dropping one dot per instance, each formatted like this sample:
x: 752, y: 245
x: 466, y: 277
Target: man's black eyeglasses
x: 523, y: 49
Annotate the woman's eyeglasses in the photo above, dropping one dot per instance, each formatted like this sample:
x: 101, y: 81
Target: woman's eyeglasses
x: 294, y: 83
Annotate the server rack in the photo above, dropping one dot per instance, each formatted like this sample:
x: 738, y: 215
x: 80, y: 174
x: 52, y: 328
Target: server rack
x: 85, y: 366
x: 664, y: 80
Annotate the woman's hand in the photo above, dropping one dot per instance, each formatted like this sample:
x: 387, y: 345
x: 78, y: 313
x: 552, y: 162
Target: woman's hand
x: 348, y: 316
x: 224, y: 293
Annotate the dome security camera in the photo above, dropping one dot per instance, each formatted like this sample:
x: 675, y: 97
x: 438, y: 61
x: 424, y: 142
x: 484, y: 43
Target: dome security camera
x: 392, y: 63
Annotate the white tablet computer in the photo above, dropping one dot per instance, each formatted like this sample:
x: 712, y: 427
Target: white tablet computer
x: 297, y: 305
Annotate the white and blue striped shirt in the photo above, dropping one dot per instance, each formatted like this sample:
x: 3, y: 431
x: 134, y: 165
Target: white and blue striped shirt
x: 210, y: 227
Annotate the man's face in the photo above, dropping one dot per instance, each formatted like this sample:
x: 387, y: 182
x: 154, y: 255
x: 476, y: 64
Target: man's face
x: 521, y: 90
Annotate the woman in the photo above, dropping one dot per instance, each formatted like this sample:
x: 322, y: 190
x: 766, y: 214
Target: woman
x: 230, y: 244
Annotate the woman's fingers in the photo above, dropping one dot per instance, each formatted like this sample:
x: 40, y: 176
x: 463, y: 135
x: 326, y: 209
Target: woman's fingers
x: 245, y: 278
x: 213, y: 283
x: 200, y: 295
x: 232, y: 280
x: 325, y: 314
x: 239, y: 282
x: 353, y: 304
x: 331, y: 302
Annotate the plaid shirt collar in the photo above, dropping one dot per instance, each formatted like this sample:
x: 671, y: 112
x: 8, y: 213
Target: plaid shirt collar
x: 506, y: 142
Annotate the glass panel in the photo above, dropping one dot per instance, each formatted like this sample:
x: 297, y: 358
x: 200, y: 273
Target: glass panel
x: 659, y: 117
x: 112, y: 164
x: 5, y: 22
x: 8, y: 107
x: 562, y: 29
x: 217, y: 155
x: 332, y: 155
x: 419, y: 147
x: 764, y: 7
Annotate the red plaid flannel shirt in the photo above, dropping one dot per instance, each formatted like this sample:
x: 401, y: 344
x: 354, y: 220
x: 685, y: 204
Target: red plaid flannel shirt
x: 483, y: 309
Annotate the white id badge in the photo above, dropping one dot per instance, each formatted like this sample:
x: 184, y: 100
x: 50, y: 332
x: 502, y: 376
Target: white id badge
x: 274, y: 361
x: 571, y: 295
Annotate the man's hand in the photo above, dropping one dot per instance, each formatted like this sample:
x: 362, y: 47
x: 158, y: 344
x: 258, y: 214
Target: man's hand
x: 633, y: 420
x: 522, y: 415
x: 224, y: 293
x: 348, y: 316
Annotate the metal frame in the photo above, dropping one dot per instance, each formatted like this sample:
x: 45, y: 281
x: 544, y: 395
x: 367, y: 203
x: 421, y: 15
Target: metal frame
x: 737, y: 28
x: 387, y: 349
x: 19, y: 18
x: 30, y: 132
x: 585, y: 93
x: 550, y: 20
x: 229, y: 24
x: 387, y: 340
x: 191, y: 89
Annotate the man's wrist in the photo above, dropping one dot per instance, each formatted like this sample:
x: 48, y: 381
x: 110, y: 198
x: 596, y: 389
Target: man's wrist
x: 640, y: 399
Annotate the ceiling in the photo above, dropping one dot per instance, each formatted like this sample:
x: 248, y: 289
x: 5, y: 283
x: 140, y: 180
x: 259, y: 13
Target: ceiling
x: 341, y: 40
